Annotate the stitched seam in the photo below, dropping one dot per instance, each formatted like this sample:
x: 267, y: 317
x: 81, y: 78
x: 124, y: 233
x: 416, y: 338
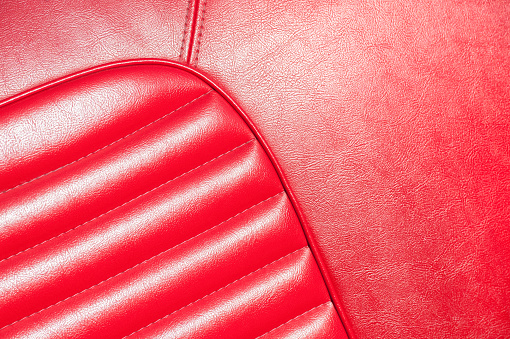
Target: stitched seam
x: 185, y: 32
x: 167, y: 63
x: 192, y: 34
x: 243, y: 277
x: 200, y: 32
x: 110, y: 144
x: 138, y: 196
x: 288, y: 321
x: 146, y: 260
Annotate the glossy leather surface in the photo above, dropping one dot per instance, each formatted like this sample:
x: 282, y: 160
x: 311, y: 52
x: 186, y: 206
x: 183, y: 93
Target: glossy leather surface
x: 389, y: 119
x: 155, y: 212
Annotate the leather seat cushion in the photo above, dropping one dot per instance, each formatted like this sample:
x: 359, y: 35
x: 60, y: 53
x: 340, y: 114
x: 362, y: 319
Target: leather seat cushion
x: 136, y: 200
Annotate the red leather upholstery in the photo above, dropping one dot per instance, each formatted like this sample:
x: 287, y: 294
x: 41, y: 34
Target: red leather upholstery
x: 138, y: 200
x: 45, y: 40
x: 389, y: 121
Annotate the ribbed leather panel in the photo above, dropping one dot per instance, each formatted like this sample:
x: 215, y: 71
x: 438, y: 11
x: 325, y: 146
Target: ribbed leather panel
x: 137, y: 202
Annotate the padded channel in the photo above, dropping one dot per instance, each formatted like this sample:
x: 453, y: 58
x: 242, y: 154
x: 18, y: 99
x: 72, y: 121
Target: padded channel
x: 177, y: 228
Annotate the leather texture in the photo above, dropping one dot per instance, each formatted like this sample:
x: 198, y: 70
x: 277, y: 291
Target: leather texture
x: 45, y: 40
x: 390, y: 122
x: 138, y: 201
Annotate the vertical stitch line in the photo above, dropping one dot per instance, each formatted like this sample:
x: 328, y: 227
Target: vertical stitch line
x: 185, y: 32
x: 200, y: 32
x: 193, y: 29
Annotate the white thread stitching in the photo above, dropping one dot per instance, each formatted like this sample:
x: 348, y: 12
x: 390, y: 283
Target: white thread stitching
x: 113, y: 209
x: 243, y: 277
x: 114, y: 142
x: 288, y: 321
x: 131, y: 268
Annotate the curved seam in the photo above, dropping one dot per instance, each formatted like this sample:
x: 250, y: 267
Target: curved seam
x: 337, y: 303
x: 145, y: 261
x: 138, y: 196
x: 314, y: 248
x: 191, y: 303
x: 288, y: 321
x: 110, y: 144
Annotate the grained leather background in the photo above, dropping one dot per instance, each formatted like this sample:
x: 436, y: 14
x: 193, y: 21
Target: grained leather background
x: 44, y: 40
x: 390, y: 120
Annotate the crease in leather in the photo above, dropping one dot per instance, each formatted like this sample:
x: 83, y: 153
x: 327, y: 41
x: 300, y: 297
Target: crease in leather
x: 288, y: 321
x: 110, y: 144
x: 222, y: 288
x: 147, y: 192
x: 140, y: 263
